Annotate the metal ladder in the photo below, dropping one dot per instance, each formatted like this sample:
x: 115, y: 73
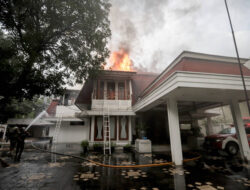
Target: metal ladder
x: 106, y: 130
x: 55, y: 137
x: 57, y: 129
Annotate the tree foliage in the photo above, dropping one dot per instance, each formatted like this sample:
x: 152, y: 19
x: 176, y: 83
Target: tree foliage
x: 24, y: 109
x: 45, y: 44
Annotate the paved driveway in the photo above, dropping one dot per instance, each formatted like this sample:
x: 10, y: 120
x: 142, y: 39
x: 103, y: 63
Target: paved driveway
x: 40, y: 171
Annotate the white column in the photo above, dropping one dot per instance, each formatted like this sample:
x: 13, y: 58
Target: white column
x: 117, y: 129
x: 116, y: 90
x: 87, y: 125
x: 105, y: 93
x: 63, y: 99
x: 129, y: 129
x: 94, y: 93
x: 240, y: 129
x: 209, y: 126
x: 92, y: 129
x: 174, y: 132
x: 179, y: 180
x: 130, y: 89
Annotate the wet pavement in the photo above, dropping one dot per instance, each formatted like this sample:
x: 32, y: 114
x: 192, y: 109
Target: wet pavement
x: 39, y: 170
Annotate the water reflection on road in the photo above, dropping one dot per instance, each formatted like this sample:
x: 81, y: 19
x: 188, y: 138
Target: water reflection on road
x: 210, y: 172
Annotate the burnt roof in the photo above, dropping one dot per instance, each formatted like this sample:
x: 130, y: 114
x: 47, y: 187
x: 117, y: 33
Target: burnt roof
x: 139, y: 82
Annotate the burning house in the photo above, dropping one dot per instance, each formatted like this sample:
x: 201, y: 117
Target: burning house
x: 181, y: 94
x: 113, y: 92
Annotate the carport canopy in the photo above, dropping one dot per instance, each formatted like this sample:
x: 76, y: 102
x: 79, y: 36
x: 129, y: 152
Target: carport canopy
x: 200, y: 78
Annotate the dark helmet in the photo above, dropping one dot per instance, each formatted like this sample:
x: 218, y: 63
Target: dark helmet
x: 22, y: 129
x: 15, y: 129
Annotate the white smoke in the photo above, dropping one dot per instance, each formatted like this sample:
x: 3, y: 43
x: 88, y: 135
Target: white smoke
x: 154, y: 32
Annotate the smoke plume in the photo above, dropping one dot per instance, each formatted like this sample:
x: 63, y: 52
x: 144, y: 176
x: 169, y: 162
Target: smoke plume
x: 137, y: 26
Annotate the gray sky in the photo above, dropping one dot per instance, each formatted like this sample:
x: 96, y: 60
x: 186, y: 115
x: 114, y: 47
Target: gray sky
x: 156, y: 31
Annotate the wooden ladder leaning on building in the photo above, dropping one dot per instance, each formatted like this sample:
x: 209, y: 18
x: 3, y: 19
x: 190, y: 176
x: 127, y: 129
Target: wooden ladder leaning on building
x: 106, y: 128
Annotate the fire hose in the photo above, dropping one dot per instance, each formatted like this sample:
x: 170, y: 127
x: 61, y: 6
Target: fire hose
x: 115, y: 166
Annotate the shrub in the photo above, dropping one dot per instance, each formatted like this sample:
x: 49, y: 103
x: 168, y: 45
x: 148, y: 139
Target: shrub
x: 128, y: 146
x: 97, y: 145
x: 113, y: 144
x: 84, y: 144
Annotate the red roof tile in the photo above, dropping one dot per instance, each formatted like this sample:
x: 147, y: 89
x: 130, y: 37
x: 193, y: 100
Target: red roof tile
x: 52, y: 107
x: 139, y: 82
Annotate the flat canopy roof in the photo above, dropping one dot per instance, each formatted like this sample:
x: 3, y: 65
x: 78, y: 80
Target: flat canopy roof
x: 198, y: 78
x: 39, y: 122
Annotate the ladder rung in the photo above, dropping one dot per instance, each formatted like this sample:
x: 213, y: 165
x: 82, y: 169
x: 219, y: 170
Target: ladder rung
x: 106, y: 132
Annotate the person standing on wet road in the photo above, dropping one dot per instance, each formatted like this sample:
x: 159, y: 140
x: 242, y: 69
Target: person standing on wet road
x: 12, y: 136
x: 1, y: 134
x: 22, y: 134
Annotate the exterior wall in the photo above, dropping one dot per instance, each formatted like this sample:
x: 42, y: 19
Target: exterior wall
x: 66, y: 111
x: 71, y: 133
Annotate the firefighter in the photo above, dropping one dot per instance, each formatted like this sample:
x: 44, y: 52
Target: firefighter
x: 1, y: 134
x: 12, y: 136
x: 22, y: 134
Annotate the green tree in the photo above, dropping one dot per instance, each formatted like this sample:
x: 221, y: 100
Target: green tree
x: 45, y: 44
x: 24, y: 109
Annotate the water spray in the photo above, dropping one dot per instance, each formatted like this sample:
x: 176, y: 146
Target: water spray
x: 37, y: 117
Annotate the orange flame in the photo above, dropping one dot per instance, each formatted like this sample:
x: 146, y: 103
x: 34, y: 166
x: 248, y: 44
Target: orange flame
x: 121, y: 61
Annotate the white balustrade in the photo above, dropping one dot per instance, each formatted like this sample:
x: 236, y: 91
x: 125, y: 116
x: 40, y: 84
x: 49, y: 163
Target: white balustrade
x: 112, y: 104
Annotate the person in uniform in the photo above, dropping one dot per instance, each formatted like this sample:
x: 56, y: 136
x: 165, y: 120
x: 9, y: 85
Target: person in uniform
x: 12, y: 136
x: 1, y: 134
x: 22, y: 134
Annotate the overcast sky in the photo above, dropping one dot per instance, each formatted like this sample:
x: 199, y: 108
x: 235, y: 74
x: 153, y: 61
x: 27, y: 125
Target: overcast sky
x: 156, y: 31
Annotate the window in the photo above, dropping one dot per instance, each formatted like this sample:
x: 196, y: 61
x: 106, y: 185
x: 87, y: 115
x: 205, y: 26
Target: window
x: 228, y: 131
x: 77, y: 123
x: 185, y: 126
x: 100, y: 90
x: 111, y: 91
x: 98, y: 128
x: 127, y: 90
x: 121, y: 91
x: 123, y: 128
x: 248, y: 130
